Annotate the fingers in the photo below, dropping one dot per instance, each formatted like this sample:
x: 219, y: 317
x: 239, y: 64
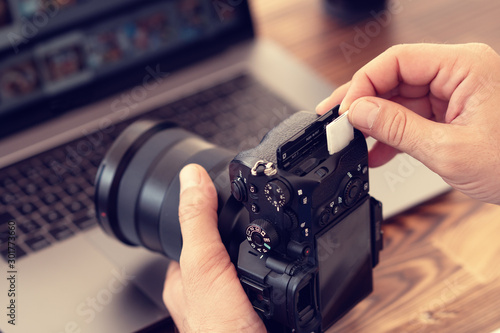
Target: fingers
x: 452, y: 92
x: 203, y: 256
x: 198, y: 221
x: 197, y: 209
x: 419, y: 77
x: 416, y: 66
x: 334, y: 99
x: 395, y: 126
x: 203, y: 291
x: 204, y: 260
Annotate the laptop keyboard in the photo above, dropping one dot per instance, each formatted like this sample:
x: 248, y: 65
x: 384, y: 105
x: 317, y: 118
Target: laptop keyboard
x: 50, y: 196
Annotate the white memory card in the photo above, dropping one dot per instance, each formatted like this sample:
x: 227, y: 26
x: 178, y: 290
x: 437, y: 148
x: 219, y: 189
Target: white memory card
x: 339, y: 133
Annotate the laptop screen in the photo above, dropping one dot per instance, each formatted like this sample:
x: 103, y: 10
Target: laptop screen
x: 56, y: 55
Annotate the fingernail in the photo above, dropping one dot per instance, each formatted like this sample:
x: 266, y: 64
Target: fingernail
x: 189, y: 177
x: 364, y: 114
x: 342, y: 107
x: 322, y: 105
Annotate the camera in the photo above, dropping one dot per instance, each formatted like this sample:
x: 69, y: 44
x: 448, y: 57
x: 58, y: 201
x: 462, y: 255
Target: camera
x: 297, y: 221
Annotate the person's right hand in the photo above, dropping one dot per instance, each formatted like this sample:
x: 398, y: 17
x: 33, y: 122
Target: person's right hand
x: 438, y: 103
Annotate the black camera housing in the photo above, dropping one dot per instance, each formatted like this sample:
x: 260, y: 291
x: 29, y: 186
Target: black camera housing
x: 314, y: 234
x: 308, y: 238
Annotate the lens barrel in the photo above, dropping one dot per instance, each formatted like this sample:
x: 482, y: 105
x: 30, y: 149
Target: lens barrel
x: 137, y: 185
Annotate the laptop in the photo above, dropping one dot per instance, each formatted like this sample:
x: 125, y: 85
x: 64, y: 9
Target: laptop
x: 73, y: 75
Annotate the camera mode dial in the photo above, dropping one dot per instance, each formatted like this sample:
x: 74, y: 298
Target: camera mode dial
x: 262, y: 236
x: 277, y: 193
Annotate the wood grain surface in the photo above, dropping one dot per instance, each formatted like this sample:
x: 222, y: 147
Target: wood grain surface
x: 439, y: 271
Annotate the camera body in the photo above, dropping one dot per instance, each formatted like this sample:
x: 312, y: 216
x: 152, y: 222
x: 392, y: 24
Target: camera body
x: 309, y: 236
x: 314, y: 234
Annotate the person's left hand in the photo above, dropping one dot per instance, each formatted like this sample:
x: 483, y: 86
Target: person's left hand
x: 202, y: 292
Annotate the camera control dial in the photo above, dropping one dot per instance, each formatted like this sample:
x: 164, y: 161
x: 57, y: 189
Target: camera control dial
x: 262, y: 236
x: 352, y: 191
x: 277, y: 193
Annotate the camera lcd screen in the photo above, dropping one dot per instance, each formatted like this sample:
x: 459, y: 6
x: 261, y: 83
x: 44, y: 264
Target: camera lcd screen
x: 345, y: 264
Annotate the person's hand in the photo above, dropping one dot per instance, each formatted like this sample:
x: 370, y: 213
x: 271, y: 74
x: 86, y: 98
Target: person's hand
x: 438, y: 103
x: 202, y: 292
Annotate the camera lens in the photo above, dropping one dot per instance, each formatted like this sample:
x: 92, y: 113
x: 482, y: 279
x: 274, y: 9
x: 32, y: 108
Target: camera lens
x: 137, y: 185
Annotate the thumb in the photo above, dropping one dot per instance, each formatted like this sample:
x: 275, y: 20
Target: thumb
x: 197, y: 211
x: 203, y: 256
x: 398, y: 127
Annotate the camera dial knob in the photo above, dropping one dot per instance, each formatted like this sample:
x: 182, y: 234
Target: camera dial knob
x: 352, y: 191
x: 277, y: 193
x: 262, y: 236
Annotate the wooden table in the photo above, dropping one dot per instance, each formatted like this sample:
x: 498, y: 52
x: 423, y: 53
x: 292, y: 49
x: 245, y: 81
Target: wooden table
x: 439, y: 271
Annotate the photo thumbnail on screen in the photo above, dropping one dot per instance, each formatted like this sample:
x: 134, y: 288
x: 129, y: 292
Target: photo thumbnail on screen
x: 19, y: 80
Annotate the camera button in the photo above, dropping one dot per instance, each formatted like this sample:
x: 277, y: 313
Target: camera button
x: 253, y: 189
x: 255, y: 208
x: 238, y: 189
x: 298, y: 250
x: 321, y: 172
x: 257, y: 239
x: 325, y: 217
